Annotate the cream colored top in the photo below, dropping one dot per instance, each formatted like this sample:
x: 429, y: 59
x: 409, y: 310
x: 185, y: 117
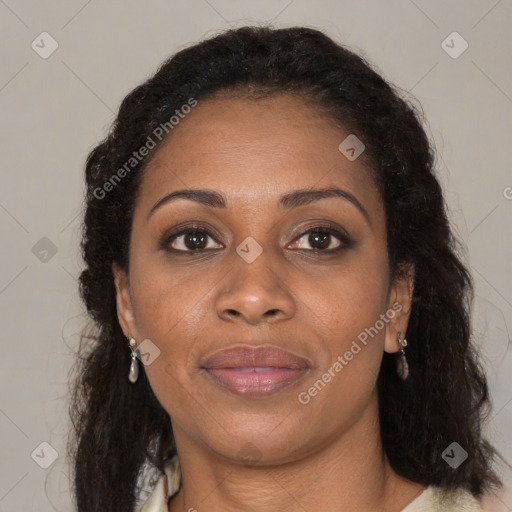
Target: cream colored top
x: 432, y: 499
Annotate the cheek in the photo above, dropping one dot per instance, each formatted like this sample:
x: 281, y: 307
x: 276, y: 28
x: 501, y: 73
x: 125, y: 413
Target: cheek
x: 172, y: 309
x: 347, y: 310
x: 354, y: 343
x: 348, y: 299
x: 168, y: 312
x: 167, y: 298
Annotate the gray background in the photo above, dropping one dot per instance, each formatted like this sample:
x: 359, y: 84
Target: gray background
x: 55, y: 110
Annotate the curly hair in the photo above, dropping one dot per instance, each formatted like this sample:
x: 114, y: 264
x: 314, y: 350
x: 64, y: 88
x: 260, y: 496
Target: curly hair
x: 119, y: 427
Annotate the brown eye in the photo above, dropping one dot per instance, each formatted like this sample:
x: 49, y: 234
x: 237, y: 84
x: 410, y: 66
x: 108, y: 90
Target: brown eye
x: 321, y: 240
x: 198, y: 239
x: 190, y: 240
x: 195, y: 240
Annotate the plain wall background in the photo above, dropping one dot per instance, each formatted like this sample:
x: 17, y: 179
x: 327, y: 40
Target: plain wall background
x: 55, y: 110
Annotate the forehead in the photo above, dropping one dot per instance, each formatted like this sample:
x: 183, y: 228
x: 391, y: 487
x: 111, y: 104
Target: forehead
x: 255, y: 148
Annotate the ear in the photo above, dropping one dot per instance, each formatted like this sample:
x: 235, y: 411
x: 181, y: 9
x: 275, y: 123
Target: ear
x: 125, y: 311
x: 400, y: 301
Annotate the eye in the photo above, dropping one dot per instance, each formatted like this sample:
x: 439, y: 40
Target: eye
x: 322, y: 239
x: 190, y: 239
x: 198, y: 239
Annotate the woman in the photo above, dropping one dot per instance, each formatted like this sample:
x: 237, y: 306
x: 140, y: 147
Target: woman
x: 282, y: 322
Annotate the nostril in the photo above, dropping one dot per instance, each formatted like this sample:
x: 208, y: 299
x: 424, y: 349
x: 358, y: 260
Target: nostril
x: 271, y: 312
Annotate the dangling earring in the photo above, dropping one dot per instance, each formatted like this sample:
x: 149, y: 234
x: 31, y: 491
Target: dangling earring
x: 134, y: 366
x: 402, y: 366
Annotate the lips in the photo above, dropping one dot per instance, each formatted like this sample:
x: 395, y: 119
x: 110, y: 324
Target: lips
x: 262, y: 356
x: 255, y: 371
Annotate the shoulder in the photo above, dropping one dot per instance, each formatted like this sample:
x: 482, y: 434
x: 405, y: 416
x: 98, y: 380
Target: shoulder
x: 436, y: 499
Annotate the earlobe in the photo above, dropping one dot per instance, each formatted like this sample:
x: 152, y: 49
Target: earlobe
x: 400, y: 301
x: 125, y: 313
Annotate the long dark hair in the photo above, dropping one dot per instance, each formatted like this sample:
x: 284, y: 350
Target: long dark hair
x: 121, y: 428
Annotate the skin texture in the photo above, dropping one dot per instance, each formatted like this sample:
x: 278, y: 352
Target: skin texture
x: 324, y: 455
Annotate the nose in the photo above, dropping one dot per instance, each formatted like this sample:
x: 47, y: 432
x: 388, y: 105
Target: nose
x: 255, y: 292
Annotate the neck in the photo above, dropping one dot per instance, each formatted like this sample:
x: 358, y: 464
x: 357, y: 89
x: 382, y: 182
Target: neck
x: 349, y: 473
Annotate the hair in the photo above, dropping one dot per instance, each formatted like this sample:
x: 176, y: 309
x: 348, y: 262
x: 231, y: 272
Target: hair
x: 119, y: 428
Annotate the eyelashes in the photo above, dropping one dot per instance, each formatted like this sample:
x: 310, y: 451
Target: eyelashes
x: 196, y: 240
x: 200, y: 235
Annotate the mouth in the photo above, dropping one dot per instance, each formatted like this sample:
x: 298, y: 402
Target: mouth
x: 255, y: 371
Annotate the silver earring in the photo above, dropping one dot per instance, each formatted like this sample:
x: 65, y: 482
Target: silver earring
x: 402, y: 365
x: 134, y: 366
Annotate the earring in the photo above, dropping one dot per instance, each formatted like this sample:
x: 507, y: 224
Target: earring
x: 134, y: 366
x: 402, y: 365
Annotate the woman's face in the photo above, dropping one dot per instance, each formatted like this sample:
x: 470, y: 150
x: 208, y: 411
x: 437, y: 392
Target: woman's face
x: 261, y: 274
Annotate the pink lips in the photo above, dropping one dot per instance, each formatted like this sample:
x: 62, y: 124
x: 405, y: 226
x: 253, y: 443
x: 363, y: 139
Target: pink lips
x: 255, y: 371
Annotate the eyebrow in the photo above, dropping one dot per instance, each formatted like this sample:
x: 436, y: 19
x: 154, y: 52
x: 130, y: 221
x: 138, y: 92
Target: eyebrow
x: 288, y: 201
